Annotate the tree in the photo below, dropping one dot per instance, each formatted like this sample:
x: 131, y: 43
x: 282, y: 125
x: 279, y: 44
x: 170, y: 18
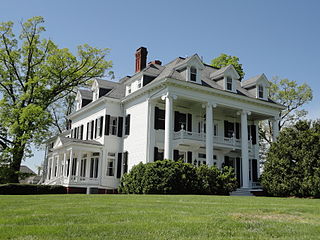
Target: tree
x: 35, y: 74
x: 224, y: 60
x: 293, y: 97
x: 292, y: 167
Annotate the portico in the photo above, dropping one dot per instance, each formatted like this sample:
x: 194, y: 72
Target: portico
x: 209, y: 135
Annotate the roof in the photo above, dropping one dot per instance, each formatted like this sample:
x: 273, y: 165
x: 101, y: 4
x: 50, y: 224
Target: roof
x: 66, y: 140
x: 175, y: 70
x: 25, y: 169
x: 86, y: 94
x: 251, y: 81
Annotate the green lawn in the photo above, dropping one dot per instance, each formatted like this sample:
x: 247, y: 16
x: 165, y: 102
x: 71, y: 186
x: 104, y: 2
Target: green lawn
x: 157, y: 217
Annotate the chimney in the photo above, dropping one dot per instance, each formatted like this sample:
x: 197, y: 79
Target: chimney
x: 158, y: 62
x: 141, y: 58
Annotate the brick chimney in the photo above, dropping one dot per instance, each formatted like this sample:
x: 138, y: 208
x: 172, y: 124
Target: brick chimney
x: 141, y: 58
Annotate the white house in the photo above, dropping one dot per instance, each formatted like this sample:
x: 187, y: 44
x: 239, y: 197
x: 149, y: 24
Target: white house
x: 184, y: 109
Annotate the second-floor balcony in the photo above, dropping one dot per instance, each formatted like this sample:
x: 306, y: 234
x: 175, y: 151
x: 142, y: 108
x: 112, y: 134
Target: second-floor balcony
x: 232, y: 142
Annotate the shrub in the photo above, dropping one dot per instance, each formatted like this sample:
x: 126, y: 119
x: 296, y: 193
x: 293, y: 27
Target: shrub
x: 29, y: 189
x: 292, y: 167
x: 170, y: 177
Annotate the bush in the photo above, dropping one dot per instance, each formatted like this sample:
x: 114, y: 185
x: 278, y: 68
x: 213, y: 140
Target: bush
x: 292, y: 167
x: 29, y: 189
x: 169, y: 177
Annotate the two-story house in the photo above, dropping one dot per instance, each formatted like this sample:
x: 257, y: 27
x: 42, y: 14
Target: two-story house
x: 184, y: 109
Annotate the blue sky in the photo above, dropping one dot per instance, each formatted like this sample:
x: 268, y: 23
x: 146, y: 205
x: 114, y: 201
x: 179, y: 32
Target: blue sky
x: 278, y: 38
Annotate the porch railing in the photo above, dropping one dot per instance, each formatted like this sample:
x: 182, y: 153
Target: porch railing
x: 233, y: 141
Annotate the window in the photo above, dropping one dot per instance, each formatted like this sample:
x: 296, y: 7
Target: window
x: 83, y: 165
x: 139, y: 83
x: 229, y: 83
x: 94, y: 167
x: 215, y: 130
x: 193, y: 74
x: 74, y: 167
x: 110, y: 164
x: 202, y: 155
x: 159, y: 118
x: 127, y: 125
x: 113, y: 125
x: 260, y: 93
x: 129, y: 88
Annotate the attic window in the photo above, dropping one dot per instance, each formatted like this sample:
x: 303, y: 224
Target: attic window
x: 260, y: 93
x: 229, y: 83
x: 139, y: 83
x: 129, y: 88
x: 193, y: 74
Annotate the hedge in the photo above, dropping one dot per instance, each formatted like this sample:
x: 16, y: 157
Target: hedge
x: 29, y: 189
x: 170, y: 177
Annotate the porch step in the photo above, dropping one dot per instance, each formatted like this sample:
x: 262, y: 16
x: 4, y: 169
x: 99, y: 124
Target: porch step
x: 242, y: 192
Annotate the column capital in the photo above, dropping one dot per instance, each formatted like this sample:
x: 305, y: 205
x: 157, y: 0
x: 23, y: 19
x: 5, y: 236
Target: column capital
x: 244, y: 112
x: 275, y: 118
x: 209, y: 104
x: 169, y: 95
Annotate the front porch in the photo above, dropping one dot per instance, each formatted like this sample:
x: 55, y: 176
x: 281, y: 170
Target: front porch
x: 205, y: 131
x: 75, y: 163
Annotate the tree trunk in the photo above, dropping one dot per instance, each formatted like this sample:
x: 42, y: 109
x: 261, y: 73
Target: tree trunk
x: 17, y: 156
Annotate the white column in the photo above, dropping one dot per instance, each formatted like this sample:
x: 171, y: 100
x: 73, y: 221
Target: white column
x: 275, y: 129
x: 70, y: 165
x: 168, y: 132
x: 78, y: 163
x: 64, y: 164
x: 52, y: 167
x: 209, y: 134
x: 244, y: 149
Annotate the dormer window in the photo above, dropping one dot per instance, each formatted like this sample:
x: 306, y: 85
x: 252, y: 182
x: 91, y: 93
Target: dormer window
x: 129, y: 88
x: 193, y: 74
x: 229, y: 83
x: 260, y: 91
x: 139, y: 83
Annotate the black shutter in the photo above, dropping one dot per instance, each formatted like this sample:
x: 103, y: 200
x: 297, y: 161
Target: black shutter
x: 226, y: 125
x: 95, y: 128
x: 107, y: 125
x: 237, y: 130
x: 254, y: 134
x: 176, y: 121
x: 92, y: 128
x: 226, y: 161
x: 189, y: 157
x: 71, y: 134
x: 155, y: 154
x: 189, y: 127
x: 101, y: 126
x: 125, y: 162
x: 120, y: 126
x: 156, y: 117
x: 175, y: 155
x: 254, y: 170
x: 81, y: 132
x: 87, y: 131
x: 248, y: 132
x: 238, y: 172
x: 119, y: 165
x: 127, y: 125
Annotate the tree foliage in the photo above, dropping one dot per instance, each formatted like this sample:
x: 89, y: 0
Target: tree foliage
x: 169, y: 177
x: 35, y: 74
x: 292, y: 167
x: 291, y: 95
x: 224, y: 60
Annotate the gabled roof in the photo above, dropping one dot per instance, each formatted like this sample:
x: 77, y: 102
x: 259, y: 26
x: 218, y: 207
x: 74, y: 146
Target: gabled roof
x: 85, y: 94
x: 254, y: 80
x: 219, y: 73
x: 67, y: 140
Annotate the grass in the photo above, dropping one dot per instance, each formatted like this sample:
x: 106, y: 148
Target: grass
x: 157, y: 217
